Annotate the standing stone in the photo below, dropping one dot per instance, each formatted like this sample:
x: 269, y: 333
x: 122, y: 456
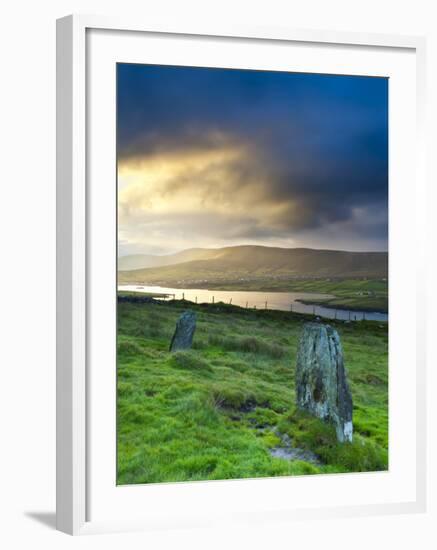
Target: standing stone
x: 184, y: 332
x: 321, y: 384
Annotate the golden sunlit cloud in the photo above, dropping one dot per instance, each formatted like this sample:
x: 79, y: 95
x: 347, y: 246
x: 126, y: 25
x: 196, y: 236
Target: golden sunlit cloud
x: 217, y: 157
x: 177, y: 182
x: 177, y: 195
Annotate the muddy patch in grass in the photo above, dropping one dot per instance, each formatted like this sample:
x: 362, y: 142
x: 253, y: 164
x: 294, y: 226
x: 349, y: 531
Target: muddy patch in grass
x: 286, y: 451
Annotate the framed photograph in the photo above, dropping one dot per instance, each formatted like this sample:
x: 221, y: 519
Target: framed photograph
x: 235, y: 335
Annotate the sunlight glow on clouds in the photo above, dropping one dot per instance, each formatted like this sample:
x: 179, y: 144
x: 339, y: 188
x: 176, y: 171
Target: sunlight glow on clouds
x: 213, y: 197
x: 216, y: 157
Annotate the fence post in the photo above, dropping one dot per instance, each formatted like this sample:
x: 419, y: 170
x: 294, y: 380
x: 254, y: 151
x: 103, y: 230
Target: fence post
x: 196, y: 299
x: 230, y: 301
x: 291, y: 307
x: 266, y: 305
x: 349, y: 315
x: 247, y: 303
x: 213, y: 299
x: 183, y: 296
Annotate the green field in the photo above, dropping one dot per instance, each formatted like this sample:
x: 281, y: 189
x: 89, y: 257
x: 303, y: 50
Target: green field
x: 355, y: 294
x: 217, y: 411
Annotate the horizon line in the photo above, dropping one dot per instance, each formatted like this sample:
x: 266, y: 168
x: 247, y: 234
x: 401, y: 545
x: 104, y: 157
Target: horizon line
x: 256, y: 246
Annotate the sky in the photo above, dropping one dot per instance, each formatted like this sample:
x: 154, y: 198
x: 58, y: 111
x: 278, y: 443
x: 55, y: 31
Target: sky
x: 220, y: 157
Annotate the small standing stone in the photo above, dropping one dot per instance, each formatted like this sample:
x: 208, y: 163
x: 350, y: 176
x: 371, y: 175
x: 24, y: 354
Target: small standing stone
x: 321, y: 384
x: 184, y: 332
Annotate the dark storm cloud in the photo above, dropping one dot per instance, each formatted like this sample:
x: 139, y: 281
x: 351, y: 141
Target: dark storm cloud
x: 319, y: 142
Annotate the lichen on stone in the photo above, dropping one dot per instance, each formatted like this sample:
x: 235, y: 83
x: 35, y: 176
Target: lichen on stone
x: 322, y: 388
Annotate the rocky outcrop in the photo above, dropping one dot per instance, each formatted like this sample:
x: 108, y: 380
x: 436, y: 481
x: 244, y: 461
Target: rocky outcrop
x: 184, y: 332
x: 321, y: 383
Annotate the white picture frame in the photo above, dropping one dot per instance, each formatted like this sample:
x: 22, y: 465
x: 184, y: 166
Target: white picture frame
x: 73, y: 276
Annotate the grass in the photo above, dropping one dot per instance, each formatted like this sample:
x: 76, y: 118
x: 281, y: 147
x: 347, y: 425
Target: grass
x: 355, y: 294
x: 215, y: 411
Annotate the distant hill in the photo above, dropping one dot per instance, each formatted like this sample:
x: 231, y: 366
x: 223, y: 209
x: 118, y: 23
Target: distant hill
x: 141, y: 261
x: 250, y: 262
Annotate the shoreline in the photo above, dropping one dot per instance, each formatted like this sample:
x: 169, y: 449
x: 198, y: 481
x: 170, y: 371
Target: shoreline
x: 331, y: 295
x: 343, y: 307
x: 139, y: 297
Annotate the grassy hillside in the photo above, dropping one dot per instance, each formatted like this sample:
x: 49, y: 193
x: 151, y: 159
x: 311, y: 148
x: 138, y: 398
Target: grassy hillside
x: 260, y: 262
x: 355, y: 294
x: 141, y: 261
x: 217, y: 411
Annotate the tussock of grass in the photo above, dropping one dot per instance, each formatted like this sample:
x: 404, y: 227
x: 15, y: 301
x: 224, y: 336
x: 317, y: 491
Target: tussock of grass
x: 213, y: 412
x: 152, y: 330
x: 190, y: 360
x: 308, y: 432
x: 225, y: 396
x: 247, y: 344
x: 128, y: 348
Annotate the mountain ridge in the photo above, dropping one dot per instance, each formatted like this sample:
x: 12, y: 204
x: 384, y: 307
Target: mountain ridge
x: 230, y: 263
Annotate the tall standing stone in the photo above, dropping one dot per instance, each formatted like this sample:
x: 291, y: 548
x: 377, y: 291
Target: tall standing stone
x: 184, y: 332
x: 321, y: 384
